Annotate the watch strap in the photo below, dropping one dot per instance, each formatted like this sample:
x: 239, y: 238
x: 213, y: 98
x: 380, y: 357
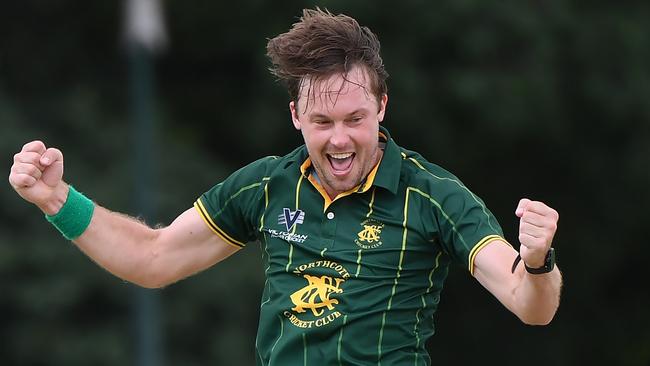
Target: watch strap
x: 549, y: 263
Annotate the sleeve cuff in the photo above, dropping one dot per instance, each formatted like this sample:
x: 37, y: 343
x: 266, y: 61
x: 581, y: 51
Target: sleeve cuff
x: 480, y: 245
x: 198, y: 205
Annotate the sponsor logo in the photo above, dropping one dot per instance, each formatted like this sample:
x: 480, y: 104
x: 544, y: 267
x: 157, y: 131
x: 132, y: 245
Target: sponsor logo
x: 296, y: 238
x: 315, y: 303
x: 290, y: 218
x: 370, y: 236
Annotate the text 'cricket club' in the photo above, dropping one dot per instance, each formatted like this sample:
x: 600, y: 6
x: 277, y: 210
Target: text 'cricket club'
x: 290, y: 218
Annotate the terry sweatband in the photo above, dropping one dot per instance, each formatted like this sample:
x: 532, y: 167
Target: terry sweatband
x: 74, y: 217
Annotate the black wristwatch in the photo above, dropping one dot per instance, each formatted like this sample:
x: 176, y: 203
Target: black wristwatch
x: 549, y: 264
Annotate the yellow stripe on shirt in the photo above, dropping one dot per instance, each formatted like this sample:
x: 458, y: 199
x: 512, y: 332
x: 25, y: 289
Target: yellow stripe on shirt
x: 216, y: 229
x: 480, y: 245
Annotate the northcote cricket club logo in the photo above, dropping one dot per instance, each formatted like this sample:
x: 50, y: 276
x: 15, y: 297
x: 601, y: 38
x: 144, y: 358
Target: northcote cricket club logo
x: 316, y: 294
x: 370, y: 236
x: 315, y: 303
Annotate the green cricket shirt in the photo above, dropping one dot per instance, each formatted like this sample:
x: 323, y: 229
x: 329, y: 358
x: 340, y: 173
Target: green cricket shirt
x: 354, y: 280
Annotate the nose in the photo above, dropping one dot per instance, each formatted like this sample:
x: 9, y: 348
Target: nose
x: 340, y: 137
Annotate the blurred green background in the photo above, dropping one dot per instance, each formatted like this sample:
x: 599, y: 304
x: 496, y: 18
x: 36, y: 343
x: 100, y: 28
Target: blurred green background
x: 542, y: 99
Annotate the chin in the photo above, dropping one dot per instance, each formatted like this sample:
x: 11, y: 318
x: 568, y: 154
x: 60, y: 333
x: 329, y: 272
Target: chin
x: 345, y: 186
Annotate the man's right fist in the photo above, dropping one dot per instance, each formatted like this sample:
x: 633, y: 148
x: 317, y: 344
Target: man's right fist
x: 37, y: 175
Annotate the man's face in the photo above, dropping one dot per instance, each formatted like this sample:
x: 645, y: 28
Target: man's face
x: 339, y: 120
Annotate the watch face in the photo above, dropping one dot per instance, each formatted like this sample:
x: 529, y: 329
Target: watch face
x: 550, y: 259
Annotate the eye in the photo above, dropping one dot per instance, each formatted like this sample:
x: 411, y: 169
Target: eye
x: 321, y: 122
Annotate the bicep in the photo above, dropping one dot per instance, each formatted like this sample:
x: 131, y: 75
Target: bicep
x: 493, y: 270
x: 188, y: 246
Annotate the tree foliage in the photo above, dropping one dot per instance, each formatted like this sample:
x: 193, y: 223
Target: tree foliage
x: 547, y: 100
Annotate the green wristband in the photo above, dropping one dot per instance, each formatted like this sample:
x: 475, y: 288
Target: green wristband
x: 74, y: 217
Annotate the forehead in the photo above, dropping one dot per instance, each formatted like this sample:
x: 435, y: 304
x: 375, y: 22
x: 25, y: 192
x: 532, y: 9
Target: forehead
x: 351, y: 90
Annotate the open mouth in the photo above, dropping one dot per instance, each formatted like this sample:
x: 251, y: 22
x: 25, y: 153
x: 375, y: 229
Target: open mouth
x: 341, y: 162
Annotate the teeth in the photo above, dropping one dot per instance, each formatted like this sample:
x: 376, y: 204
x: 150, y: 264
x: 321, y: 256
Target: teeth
x: 341, y: 156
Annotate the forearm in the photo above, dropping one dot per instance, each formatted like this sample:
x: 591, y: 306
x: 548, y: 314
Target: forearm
x: 133, y: 251
x: 122, y: 245
x: 537, y: 296
x: 118, y: 243
x: 534, y: 298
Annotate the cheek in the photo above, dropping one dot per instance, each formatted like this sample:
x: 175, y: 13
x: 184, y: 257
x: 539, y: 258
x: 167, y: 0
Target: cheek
x: 313, y: 140
x: 368, y: 138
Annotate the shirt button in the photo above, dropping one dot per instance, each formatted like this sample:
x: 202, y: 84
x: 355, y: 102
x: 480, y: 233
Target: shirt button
x: 330, y: 215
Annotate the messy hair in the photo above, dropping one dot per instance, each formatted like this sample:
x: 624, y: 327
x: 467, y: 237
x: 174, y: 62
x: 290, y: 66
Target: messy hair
x: 321, y: 44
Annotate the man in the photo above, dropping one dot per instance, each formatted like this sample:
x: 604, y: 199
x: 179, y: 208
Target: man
x: 357, y: 232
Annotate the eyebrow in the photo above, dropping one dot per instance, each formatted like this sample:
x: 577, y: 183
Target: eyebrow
x: 356, y: 111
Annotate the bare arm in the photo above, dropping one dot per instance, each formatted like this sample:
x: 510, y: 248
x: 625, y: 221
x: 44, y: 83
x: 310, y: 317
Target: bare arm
x: 122, y: 245
x: 534, y: 298
x: 152, y: 257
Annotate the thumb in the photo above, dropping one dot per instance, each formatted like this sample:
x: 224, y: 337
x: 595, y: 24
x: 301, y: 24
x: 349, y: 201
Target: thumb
x: 521, y: 207
x: 51, y: 156
x: 52, y: 160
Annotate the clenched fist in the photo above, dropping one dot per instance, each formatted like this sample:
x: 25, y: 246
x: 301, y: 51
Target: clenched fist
x: 37, y: 175
x: 537, y: 226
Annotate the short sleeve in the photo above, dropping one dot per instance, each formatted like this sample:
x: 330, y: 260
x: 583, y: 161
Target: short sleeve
x: 465, y: 224
x: 231, y: 208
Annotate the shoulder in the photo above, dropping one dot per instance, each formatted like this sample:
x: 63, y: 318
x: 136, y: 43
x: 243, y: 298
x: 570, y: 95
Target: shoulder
x: 245, y: 187
x: 267, y: 167
x: 442, y: 188
x: 453, y: 203
x: 418, y: 172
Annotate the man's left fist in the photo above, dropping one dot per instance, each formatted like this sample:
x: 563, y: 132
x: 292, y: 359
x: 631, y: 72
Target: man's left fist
x: 537, y: 226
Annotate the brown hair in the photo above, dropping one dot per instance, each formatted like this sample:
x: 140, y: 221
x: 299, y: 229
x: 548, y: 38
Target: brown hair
x: 321, y: 44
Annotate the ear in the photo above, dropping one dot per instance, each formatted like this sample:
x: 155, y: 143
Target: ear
x: 382, y: 107
x: 294, y: 115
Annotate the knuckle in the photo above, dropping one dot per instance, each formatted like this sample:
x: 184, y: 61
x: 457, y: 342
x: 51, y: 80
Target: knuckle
x: 20, y: 181
x: 33, y: 170
x: 35, y: 146
x: 16, y: 181
x: 27, y: 181
x: 27, y: 157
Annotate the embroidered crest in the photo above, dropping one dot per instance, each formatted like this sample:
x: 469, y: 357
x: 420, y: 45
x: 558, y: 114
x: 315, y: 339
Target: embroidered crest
x: 370, y: 236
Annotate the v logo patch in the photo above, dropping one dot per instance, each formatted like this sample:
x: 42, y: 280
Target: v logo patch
x: 291, y: 218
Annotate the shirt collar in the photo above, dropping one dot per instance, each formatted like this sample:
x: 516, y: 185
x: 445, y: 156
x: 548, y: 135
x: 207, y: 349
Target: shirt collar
x: 391, y: 164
